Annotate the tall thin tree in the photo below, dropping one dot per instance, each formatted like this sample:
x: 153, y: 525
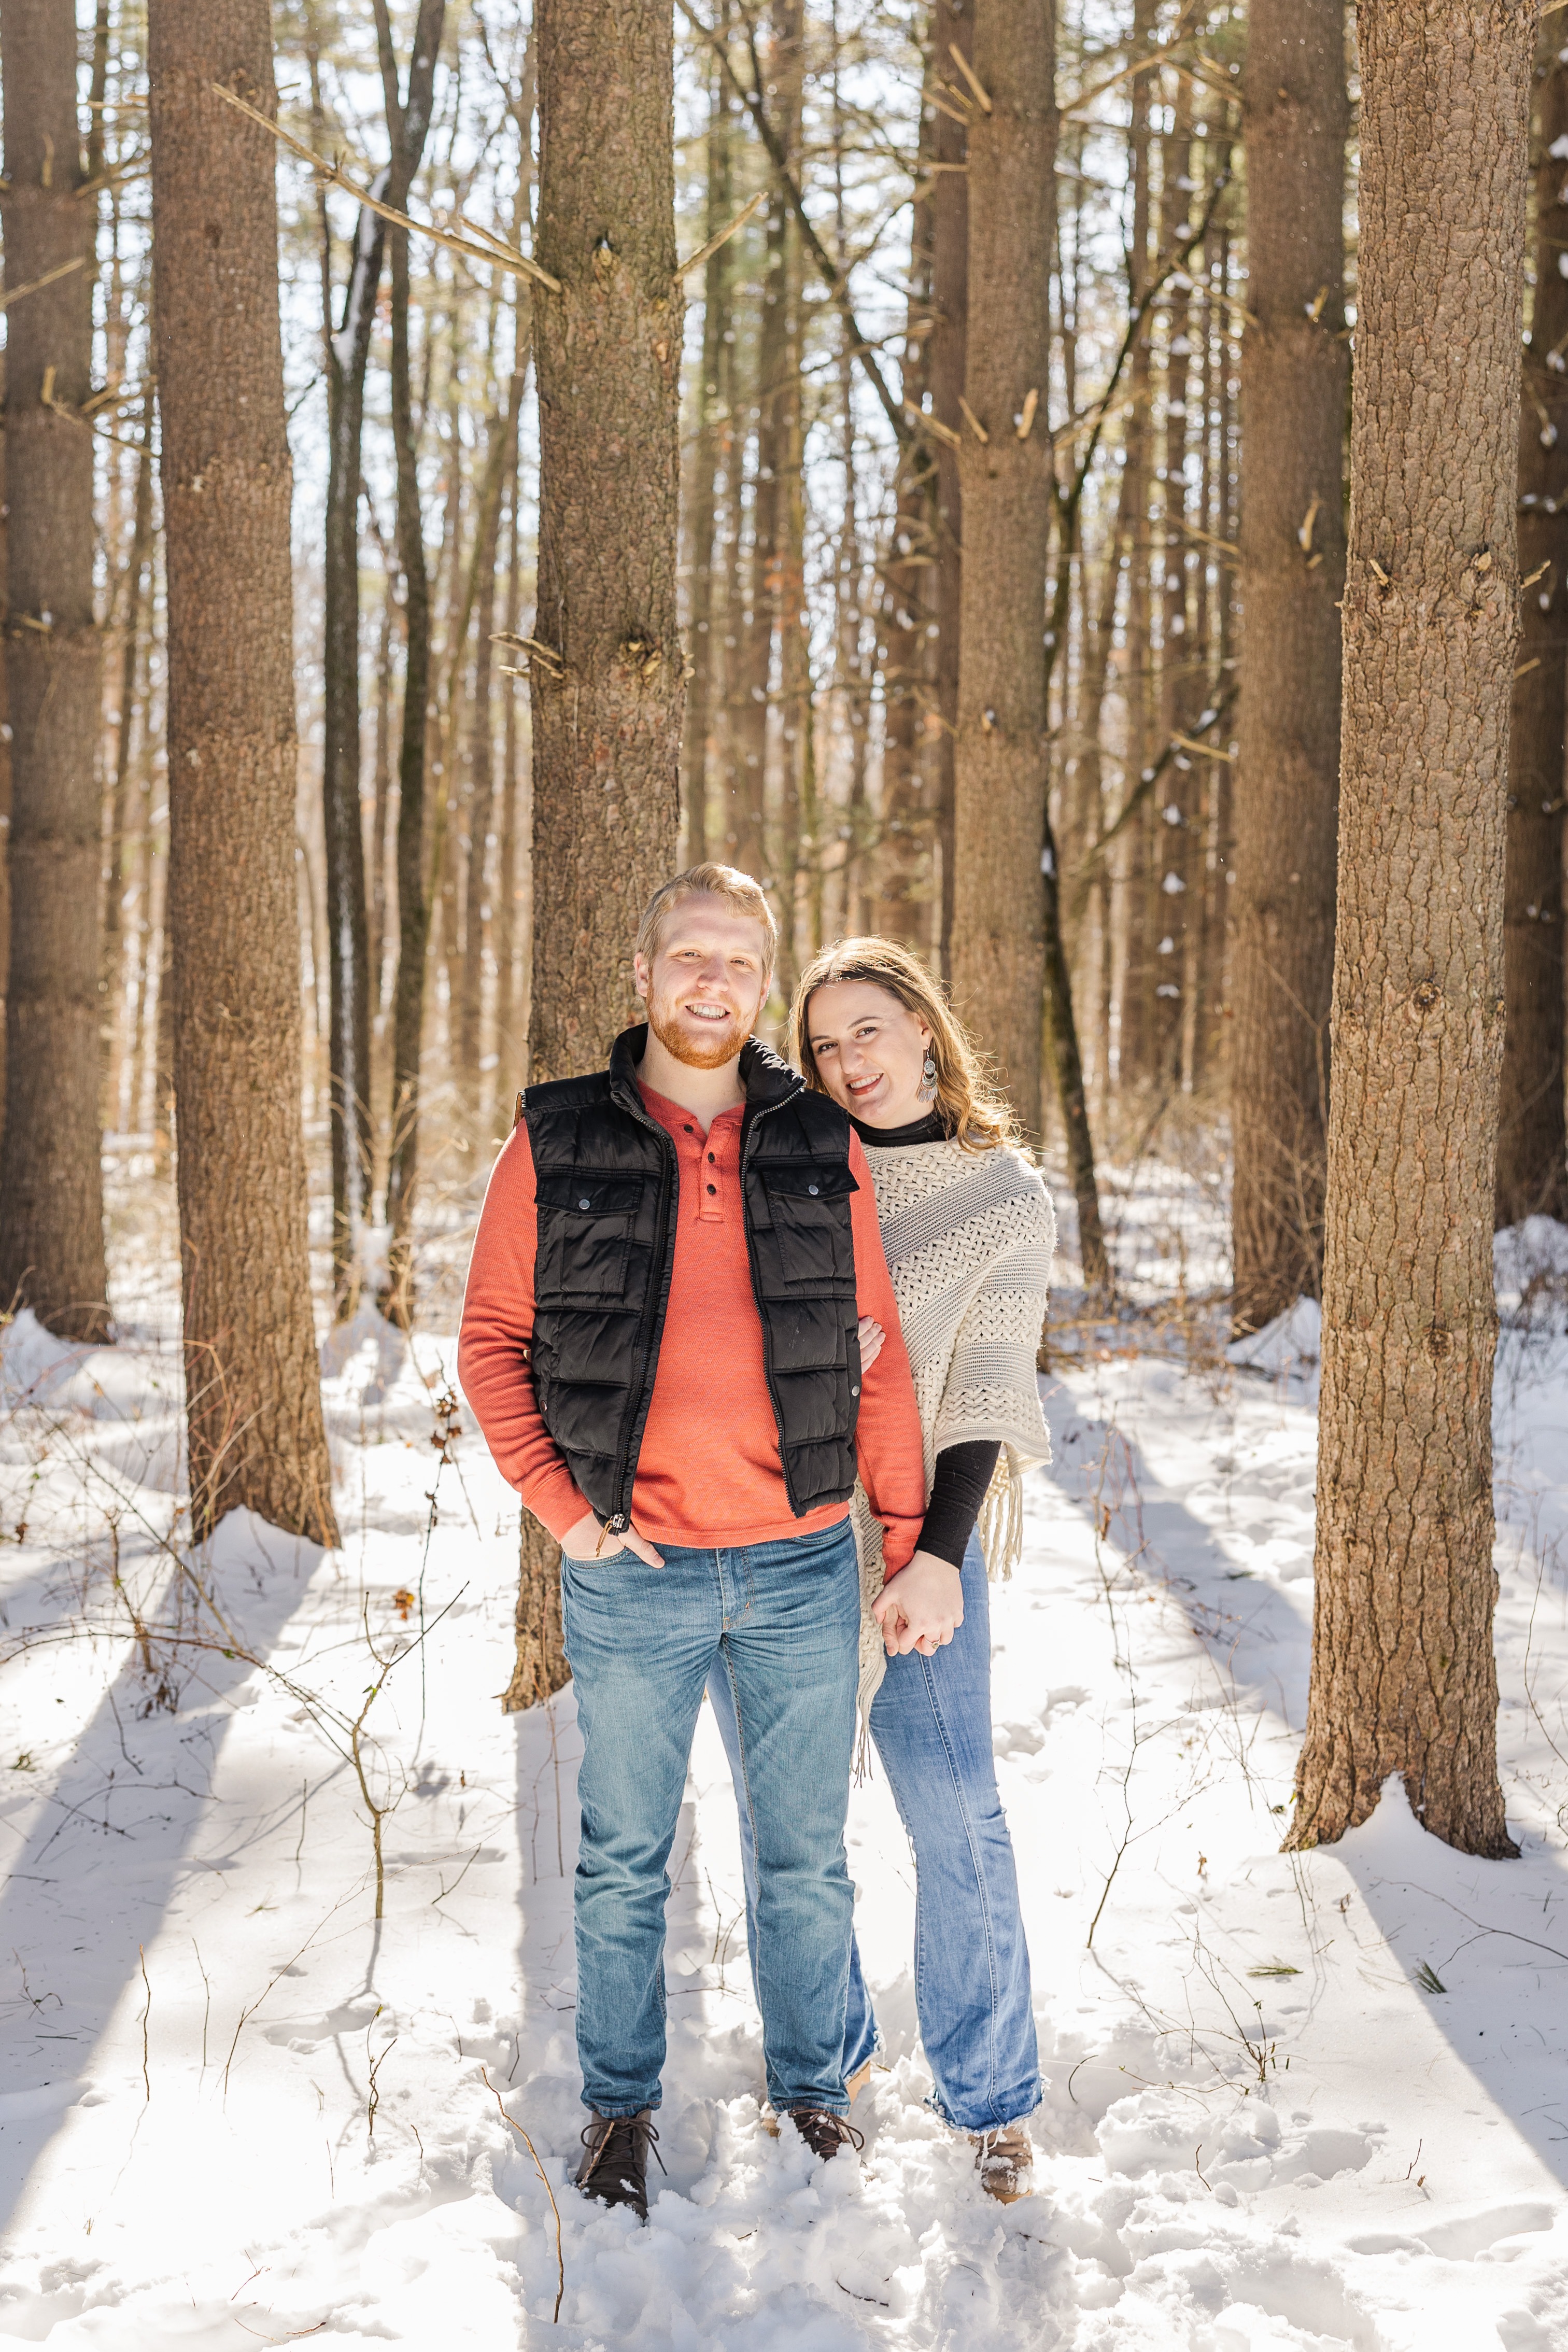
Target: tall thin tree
x: 1005, y: 473
x: 253, y: 1394
x: 409, y: 106
x: 1404, y: 1678
x: 606, y: 689
x: 51, y: 1187
x: 1294, y: 359
x: 346, y: 350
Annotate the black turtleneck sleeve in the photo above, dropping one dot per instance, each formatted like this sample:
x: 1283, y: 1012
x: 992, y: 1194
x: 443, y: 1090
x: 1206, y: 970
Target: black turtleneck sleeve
x: 958, y: 1489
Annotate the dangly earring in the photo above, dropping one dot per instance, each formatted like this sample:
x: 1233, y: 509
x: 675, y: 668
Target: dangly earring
x: 928, y: 1086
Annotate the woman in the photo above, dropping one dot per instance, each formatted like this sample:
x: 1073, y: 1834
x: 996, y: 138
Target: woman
x: 969, y: 1233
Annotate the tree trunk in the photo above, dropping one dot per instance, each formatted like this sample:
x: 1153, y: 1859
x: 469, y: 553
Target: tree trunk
x: 509, y: 1054
x: 253, y: 1396
x: 1404, y: 1678
x: 607, y: 696
x: 906, y: 851
x: 1134, y: 981
x: 408, y: 122
x: 347, y: 352
x: 708, y: 454
x: 51, y: 1186
x: 1531, y: 1175
x: 754, y: 666
x: 412, y: 898
x: 607, y: 705
x: 113, y: 940
x: 1293, y: 366
x: 1179, y: 796
x: 1000, y: 761
x: 540, y: 1668
x: 481, y: 759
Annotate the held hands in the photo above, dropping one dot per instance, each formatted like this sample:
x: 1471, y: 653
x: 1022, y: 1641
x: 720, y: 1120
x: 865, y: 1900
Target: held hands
x: 589, y: 1540
x: 921, y: 1607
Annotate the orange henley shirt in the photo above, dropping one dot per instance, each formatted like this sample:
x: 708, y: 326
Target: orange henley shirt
x: 708, y: 1473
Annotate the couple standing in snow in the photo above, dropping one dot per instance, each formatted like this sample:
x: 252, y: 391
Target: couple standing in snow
x: 759, y: 1351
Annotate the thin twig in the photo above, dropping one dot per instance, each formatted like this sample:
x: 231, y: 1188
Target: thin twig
x: 493, y: 253
x: 704, y: 252
x: 48, y: 278
x: 550, y: 2192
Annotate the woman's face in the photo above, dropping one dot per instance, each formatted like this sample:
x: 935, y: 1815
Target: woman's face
x: 869, y: 1051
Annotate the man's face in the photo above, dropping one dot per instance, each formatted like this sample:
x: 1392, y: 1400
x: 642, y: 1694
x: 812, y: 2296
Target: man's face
x: 706, y: 982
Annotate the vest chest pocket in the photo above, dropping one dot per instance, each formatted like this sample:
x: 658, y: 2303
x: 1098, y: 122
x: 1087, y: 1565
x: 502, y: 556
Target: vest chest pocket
x: 808, y: 1202
x: 584, y: 1235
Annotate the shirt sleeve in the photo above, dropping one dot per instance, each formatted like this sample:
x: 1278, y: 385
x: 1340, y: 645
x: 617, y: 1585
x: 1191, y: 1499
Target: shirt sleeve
x: 958, y: 1486
x: 889, y: 1448
x: 495, y: 1362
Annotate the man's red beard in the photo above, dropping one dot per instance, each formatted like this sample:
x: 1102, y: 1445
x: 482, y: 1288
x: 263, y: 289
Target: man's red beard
x: 680, y: 1043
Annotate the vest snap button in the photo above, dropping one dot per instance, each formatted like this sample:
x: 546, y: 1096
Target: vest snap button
x: 811, y: 1188
x: 584, y: 1204
x: 856, y: 1389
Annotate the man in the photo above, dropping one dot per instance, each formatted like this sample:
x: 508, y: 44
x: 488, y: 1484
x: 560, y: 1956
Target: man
x: 660, y: 1342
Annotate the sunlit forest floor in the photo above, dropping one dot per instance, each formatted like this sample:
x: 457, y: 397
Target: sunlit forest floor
x: 1292, y: 2102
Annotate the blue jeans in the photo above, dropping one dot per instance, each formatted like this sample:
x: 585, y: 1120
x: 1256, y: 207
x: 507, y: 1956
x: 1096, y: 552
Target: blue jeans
x: 777, y: 1627
x: 931, y: 1721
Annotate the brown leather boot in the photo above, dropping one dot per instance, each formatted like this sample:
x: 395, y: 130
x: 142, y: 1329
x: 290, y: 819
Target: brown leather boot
x: 823, y: 2132
x: 852, y: 2089
x: 615, y: 2168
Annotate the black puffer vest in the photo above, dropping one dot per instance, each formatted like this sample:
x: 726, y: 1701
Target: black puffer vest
x: 606, y: 1183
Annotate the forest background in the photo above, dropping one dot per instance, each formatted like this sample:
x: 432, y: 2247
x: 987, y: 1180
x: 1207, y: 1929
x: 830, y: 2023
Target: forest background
x: 970, y: 564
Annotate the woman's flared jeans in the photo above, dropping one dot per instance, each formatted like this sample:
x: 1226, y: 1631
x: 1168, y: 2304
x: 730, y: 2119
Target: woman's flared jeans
x: 931, y: 1722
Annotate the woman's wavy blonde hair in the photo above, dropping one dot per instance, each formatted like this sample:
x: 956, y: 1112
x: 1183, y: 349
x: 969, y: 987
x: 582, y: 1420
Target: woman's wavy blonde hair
x: 976, y: 1112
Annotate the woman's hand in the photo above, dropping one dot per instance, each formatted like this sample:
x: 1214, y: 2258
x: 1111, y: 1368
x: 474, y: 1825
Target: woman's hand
x: 589, y: 1539
x: 871, y: 1336
x: 921, y: 1607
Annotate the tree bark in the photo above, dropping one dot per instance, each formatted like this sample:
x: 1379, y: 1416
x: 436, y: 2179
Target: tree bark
x: 1135, y: 944
x: 347, y: 351
x: 607, y: 698
x: 999, y: 775
x: 481, y: 759
x: 51, y: 1186
x: 762, y: 623
x: 408, y: 122
x: 1178, y: 811
x: 608, y: 694
x: 905, y: 860
x: 1293, y: 365
x: 137, y: 563
x: 253, y: 1395
x: 1404, y: 1678
x: 714, y: 439
x: 540, y: 1668
x: 1531, y: 1172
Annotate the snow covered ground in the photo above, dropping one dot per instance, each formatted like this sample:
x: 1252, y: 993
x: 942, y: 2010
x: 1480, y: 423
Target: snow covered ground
x: 1304, y: 2102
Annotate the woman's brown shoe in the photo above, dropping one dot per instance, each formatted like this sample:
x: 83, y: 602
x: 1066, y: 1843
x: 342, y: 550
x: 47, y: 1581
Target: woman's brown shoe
x: 1005, y: 2161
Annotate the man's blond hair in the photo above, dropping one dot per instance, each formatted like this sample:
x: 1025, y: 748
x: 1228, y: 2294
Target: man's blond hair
x: 727, y: 882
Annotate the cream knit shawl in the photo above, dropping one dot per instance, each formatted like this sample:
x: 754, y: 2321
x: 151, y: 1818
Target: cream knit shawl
x: 969, y: 1238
